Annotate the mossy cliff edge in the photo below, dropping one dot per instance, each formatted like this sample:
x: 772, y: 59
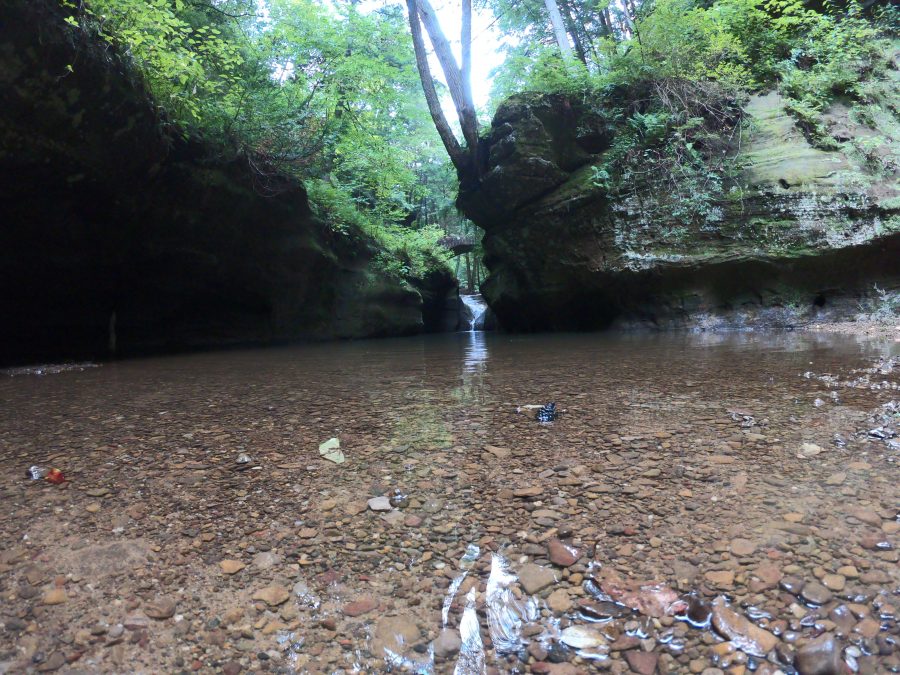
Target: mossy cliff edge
x: 801, y: 234
x: 115, y: 235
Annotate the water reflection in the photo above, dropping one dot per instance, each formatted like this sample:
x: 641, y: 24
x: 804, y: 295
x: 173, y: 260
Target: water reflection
x: 476, y: 352
x: 473, y: 367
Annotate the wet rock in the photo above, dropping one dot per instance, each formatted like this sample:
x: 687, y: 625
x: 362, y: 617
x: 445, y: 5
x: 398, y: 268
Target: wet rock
x: 821, y: 656
x: 808, y: 450
x: 698, y: 612
x: 231, y: 668
x: 583, y: 637
x: 815, y: 593
x: 266, y: 560
x: 393, y: 518
x: 559, y: 601
x: 231, y: 566
x: 842, y: 618
x: 499, y: 453
x: 447, y: 643
x: 793, y: 584
x: 868, y: 516
x: 834, y: 582
x: 766, y: 576
x: 649, y: 598
x: 380, y: 504
x: 396, y: 634
x: 535, y: 578
x: 561, y: 554
x: 721, y: 578
x: 361, y: 606
x: 55, y: 596
x: 54, y: 662
x: 642, y: 662
x: 398, y: 499
x: 742, y: 547
x: 134, y: 621
x: 746, y: 636
x: 272, y: 595
x: 160, y: 609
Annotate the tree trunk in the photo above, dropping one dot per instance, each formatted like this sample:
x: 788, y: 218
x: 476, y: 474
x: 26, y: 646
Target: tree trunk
x: 466, y: 45
x: 559, y: 29
x: 459, y: 158
x: 468, y: 273
x: 573, y: 31
x: 465, y: 108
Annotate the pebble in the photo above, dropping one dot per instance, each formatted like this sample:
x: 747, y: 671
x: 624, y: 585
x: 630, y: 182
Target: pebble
x: 642, y: 662
x: 561, y: 554
x: 447, y: 643
x: 745, y: 635
x: 395, y: 634
x: 721, y: 578
x: 583, y: 637
x: 361, y: 606
x: 380, y: 504
x: 820, y: 656
x: 160, y: 609
x: 55, y: 596
x: 535, y: 578
x: 834, y: 582
x: 559, y: 601
x: 231, y: 566
x: 272, y: 595
x: 815, y: 593
x: 742, y: 547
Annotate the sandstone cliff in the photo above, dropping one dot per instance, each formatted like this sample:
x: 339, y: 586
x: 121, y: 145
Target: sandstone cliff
x: 113, y: 232
x: 804, y: 235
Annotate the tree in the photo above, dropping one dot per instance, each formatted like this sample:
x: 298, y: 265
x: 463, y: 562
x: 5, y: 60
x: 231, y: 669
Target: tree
x: 559, y: 29
x: 458, y: 81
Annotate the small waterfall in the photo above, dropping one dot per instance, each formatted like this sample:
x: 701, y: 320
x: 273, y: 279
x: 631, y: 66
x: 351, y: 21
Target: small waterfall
x: 476, y: 307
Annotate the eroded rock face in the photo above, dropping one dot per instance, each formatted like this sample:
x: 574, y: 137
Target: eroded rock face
x: 113, y: 232
x: 805, y: 237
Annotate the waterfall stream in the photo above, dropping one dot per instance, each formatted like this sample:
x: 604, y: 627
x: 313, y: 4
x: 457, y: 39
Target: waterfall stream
x: 476, y: 307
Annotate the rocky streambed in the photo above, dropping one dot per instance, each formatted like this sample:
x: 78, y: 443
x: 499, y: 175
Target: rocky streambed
x: 700, y: 505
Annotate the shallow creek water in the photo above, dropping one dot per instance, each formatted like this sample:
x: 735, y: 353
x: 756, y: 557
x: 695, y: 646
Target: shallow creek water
x: 748, y: 481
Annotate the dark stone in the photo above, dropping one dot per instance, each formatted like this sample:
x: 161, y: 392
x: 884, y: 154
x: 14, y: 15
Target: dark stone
x: 821, y: 656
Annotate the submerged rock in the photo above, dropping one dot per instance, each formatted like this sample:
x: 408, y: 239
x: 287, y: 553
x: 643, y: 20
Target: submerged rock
x: 745, y: 635
x: 820, y: 656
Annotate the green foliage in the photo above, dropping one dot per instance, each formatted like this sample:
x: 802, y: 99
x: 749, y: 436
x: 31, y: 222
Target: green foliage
x: 402, y: 252
x: 672, y: 76
x: 192, y: 70
x: 832, y: 59
x: 322, y: 92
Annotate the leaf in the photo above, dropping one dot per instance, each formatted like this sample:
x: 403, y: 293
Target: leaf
x: 331, y: 450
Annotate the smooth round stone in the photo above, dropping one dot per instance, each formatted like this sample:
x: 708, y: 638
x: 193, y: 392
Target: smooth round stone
x: 815, y: 593
x: 834, y: 582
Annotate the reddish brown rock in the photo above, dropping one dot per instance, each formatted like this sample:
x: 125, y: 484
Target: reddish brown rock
x: 562, y: 554
x: 745, y: 635
x: 642, y: 662
x: 363, y: 605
